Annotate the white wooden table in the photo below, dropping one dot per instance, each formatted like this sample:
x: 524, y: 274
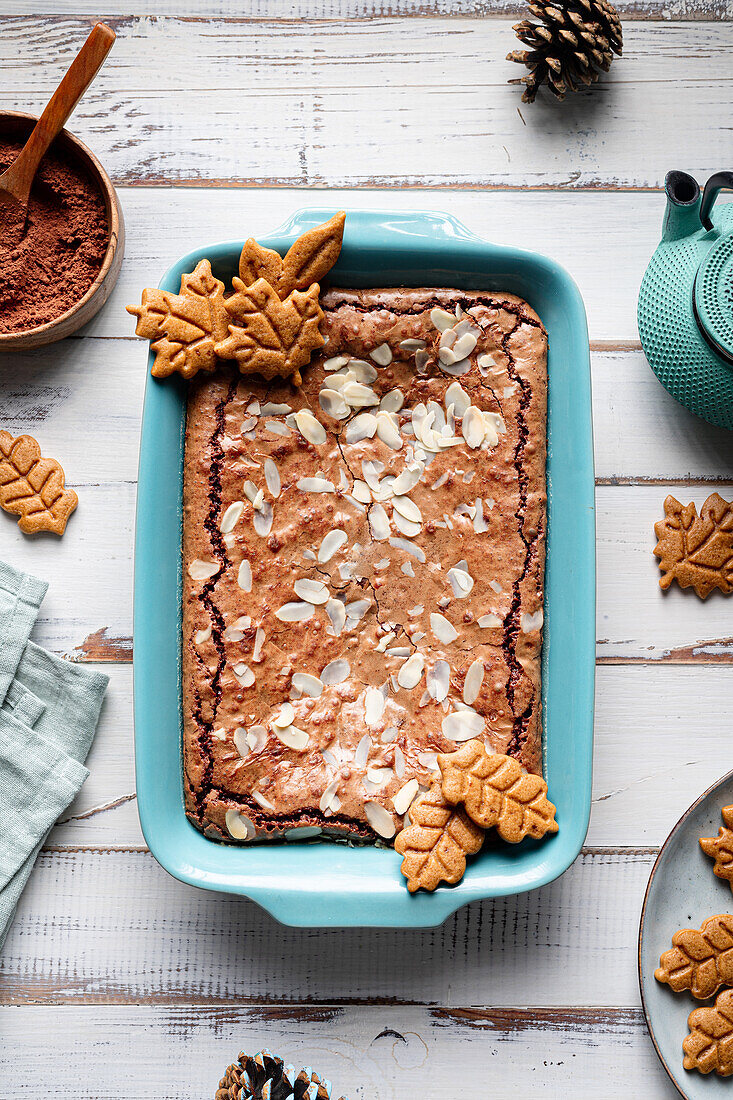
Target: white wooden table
x: 216, y: 120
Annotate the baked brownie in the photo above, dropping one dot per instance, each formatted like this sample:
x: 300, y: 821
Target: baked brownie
x: 363, y: 565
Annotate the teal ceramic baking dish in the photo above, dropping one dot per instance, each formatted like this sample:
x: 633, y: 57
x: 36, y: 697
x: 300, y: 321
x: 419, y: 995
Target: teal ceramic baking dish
x: 327, y: 884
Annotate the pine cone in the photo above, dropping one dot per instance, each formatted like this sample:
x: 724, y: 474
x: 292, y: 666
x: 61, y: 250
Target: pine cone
x: 575, y: 39
x: 265, y: 1077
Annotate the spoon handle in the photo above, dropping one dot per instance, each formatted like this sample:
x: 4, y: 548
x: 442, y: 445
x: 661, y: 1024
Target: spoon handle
x: 77, y: 79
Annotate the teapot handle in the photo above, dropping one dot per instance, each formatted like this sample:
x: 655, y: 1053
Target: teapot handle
x: 715, y: 184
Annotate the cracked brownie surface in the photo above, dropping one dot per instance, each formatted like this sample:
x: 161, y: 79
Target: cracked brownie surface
x: 363, y: 565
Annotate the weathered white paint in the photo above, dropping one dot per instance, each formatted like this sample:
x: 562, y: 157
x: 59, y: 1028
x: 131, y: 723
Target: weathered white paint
x: 641, y: 433
x: 164, y: 223
x: 88, y: 611
x: 394, y: 102
x: 179, y: 1053
x: 657, y: 731
x: 328, y: 10
x: 112, y: 926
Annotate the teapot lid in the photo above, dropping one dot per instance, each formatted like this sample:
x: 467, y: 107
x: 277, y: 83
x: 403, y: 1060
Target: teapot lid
x: 713, y: 297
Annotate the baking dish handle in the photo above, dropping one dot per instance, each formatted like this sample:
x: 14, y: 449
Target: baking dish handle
x: 431, y: 225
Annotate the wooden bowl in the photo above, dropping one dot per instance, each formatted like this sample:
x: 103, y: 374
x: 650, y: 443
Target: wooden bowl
x: 18, y: 124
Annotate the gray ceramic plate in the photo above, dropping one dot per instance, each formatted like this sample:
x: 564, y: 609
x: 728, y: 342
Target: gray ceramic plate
x: 682, y: 892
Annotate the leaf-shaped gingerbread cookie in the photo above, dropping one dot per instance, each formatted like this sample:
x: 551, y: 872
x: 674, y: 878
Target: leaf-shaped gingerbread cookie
x: 699, y: 960
x: 497, y: 792
x: 720, y: 847
x: 306, y: 262
x: 272, y: 337
x: 696, y: 551
x: 33, y: 487
x: 436, y: 842
x: 709, y: 1046
x: 184, y: 327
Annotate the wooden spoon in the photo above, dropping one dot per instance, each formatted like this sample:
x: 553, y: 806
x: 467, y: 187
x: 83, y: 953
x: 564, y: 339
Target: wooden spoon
x: 16, y: 181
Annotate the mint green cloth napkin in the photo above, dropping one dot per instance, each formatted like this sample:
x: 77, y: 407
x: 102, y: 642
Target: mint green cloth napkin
x: 48, y: 715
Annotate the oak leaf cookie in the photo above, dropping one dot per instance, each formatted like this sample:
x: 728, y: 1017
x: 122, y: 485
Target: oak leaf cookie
x: 33, y: 487
x: 696, y: 551
x: 709, y: 1046
x: 497, y: 792
x: 436, y: 842
x: 269, y: 336
x: 699, y: 960
x: 306, y: 262
x: 184, y: 327
x: 720, y: 847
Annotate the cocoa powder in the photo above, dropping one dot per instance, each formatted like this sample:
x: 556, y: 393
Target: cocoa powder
x: 64, y: 244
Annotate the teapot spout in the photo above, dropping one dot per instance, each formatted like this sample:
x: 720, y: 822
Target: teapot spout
x: 682, y: 216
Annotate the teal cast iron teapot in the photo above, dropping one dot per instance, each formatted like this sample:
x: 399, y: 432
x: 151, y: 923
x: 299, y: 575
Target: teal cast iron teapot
x: 686, y: 299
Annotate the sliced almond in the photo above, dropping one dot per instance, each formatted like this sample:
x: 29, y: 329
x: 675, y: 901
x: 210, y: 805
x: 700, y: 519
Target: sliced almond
x: 272, y: 477
x: 332, y: 542
x: 337, y: 614
x: 259, y: 642
x: 532, y: 622
x: 316, y: 485
x: 244, y: 576
x: 361, y: 427
x: 328, y: 795
x: 388, y: 430
x: 407, y: 508
x: 333, y: 404
x: 307, y: 684
x: 284, y: 717
x: 380, y: 820
x: 473, y: 427
x: 336, y: 672
x: 438, y: 680
x: 244, y: 674
x: 231, y: 517
x: 441, y: 319
x: 464, y: 345
x: 335, y: 362
x: 407, y: 480
x: 292, y: 736
x: 412, y: 345
x: 405, y: 796
x: 262, y: 520
x: 457, y: 399
x: 463, y: 725
x: 460, y: 581
x: 200, y: 570
x: 374, y: 704
x: 294, y: 612
x: 474, y: 680
x: 443, y: 630
x: 382, y: 355
x: 489, y: 620
x: 202, y: 636
x: 310, y: 428
x: 392, y: 401
x: 410, y: 673
x: 362, y: 371
x: 362, y: 492
x: 239, y: 825
x: 358, y: 395
x: 378, y: 522
x: 363, y: 749
x: 312, y: 591
x: 406, y: 526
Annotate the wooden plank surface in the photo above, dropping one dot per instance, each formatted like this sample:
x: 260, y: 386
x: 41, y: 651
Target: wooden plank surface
x: 328, y: 10
x: 650, y: 739
x: 88, y: 610
x: 179, y: 1053
x: 163, y: 224
x: 109, y: 927
x: 384, y: 102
